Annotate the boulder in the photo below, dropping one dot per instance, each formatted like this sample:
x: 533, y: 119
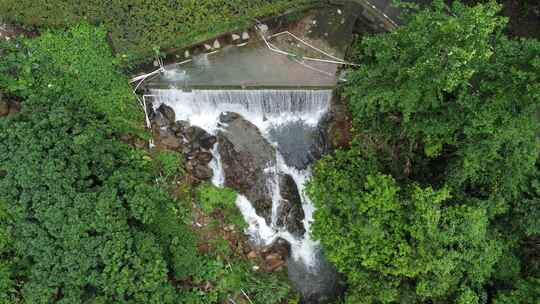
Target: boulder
x: 204, y: 157
x: 202, y: 172
x: 245, y: 156
x: 297, y: 138
x: 273, y: 262
x: 279, y: 246
x: 207, y: 142
x: 162, y: 117
x: 290, y: 213
x: 168, y: 140
x: 167, y: 112
x: 179, y: 127
x: 194, y: 134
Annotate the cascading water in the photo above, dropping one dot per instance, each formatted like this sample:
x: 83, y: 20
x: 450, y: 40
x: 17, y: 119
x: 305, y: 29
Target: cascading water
x: 287, y: 119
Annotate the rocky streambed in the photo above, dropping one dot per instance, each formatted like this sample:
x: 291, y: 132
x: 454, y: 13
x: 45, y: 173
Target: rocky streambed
x: 260, y: 143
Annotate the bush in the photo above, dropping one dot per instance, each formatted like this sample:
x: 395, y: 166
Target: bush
x: 138, y: 26
x: 83, y: 219
x: 211, y: 198
x: 75, y: 65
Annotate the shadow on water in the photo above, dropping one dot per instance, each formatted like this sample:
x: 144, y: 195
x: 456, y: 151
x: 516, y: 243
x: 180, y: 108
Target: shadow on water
x: 322, y: 285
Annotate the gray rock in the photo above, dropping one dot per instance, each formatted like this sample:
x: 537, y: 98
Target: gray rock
x: 202, y: 172
x: 167, y: 139
x: 245, y: 155
x: 167, y: 112
x: 290, y: 213
x: 194, y: 134
x: 294, y: 140
x: 204, y: 158
x: 178, y: 127
x: 207, y: 142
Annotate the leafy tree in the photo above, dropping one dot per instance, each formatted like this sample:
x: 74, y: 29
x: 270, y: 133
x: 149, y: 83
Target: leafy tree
x: 77, y: 65
x: 438, y: 192
x: 453, y: 100
x: 84, y: 217
x: 399, y: 244
x: 82, y: 221
x: 526, y: 292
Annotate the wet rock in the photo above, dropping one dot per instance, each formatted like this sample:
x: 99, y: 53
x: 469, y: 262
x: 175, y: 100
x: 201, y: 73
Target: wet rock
x: 194, y: 134
x: 167, y: 113
x: 178, y: 127
x: 204, y: 157
x: 245, y: 155
x: 202, y: 172
x: 290, y: 212
x: 295, y: 139
x: 228, y: 117
x: 158, y: 120
x: 207, y: 142
x: 169, y: 140
x: 280, y: 246
x: 272, y: 262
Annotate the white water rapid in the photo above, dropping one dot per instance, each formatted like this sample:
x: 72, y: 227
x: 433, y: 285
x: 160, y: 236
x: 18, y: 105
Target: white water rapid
x: 268, y: 110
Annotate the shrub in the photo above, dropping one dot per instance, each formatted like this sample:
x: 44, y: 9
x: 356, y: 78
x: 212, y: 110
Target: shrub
x: 138, y: 26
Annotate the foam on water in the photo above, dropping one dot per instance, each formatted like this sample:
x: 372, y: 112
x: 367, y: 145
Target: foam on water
x: 266, y: 109
x: 263, y: 108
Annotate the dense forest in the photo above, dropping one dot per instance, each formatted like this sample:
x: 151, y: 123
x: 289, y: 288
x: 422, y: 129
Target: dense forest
x: 435, y: 200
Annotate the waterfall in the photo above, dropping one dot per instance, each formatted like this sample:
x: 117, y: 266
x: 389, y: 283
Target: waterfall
x: 272, y: 112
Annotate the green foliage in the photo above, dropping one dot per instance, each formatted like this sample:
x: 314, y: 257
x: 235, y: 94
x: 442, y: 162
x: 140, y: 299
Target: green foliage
x: 168, y: 163
x: 136, y: 27
x: 437, y: 199
x: 231, y: 279
x: 80, y: 205
x: 84, y: 218
x: 451, y: 89
x: 78, y: 65
x: 82, y: 221
x: 7, y: 259
x: 400, y: 245
x: 211, y: 198
x: 526, y: 292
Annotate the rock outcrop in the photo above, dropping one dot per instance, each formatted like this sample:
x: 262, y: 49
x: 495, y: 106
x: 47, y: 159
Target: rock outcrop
x: 246, y: 157
x: 194, y: 142
x: 290, y: 213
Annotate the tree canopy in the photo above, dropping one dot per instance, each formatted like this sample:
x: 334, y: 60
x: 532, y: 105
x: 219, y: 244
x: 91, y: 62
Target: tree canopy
x: 85, y: 217
x: 442, y: 164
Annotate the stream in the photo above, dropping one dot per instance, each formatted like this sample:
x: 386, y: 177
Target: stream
x: 288, y: 122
